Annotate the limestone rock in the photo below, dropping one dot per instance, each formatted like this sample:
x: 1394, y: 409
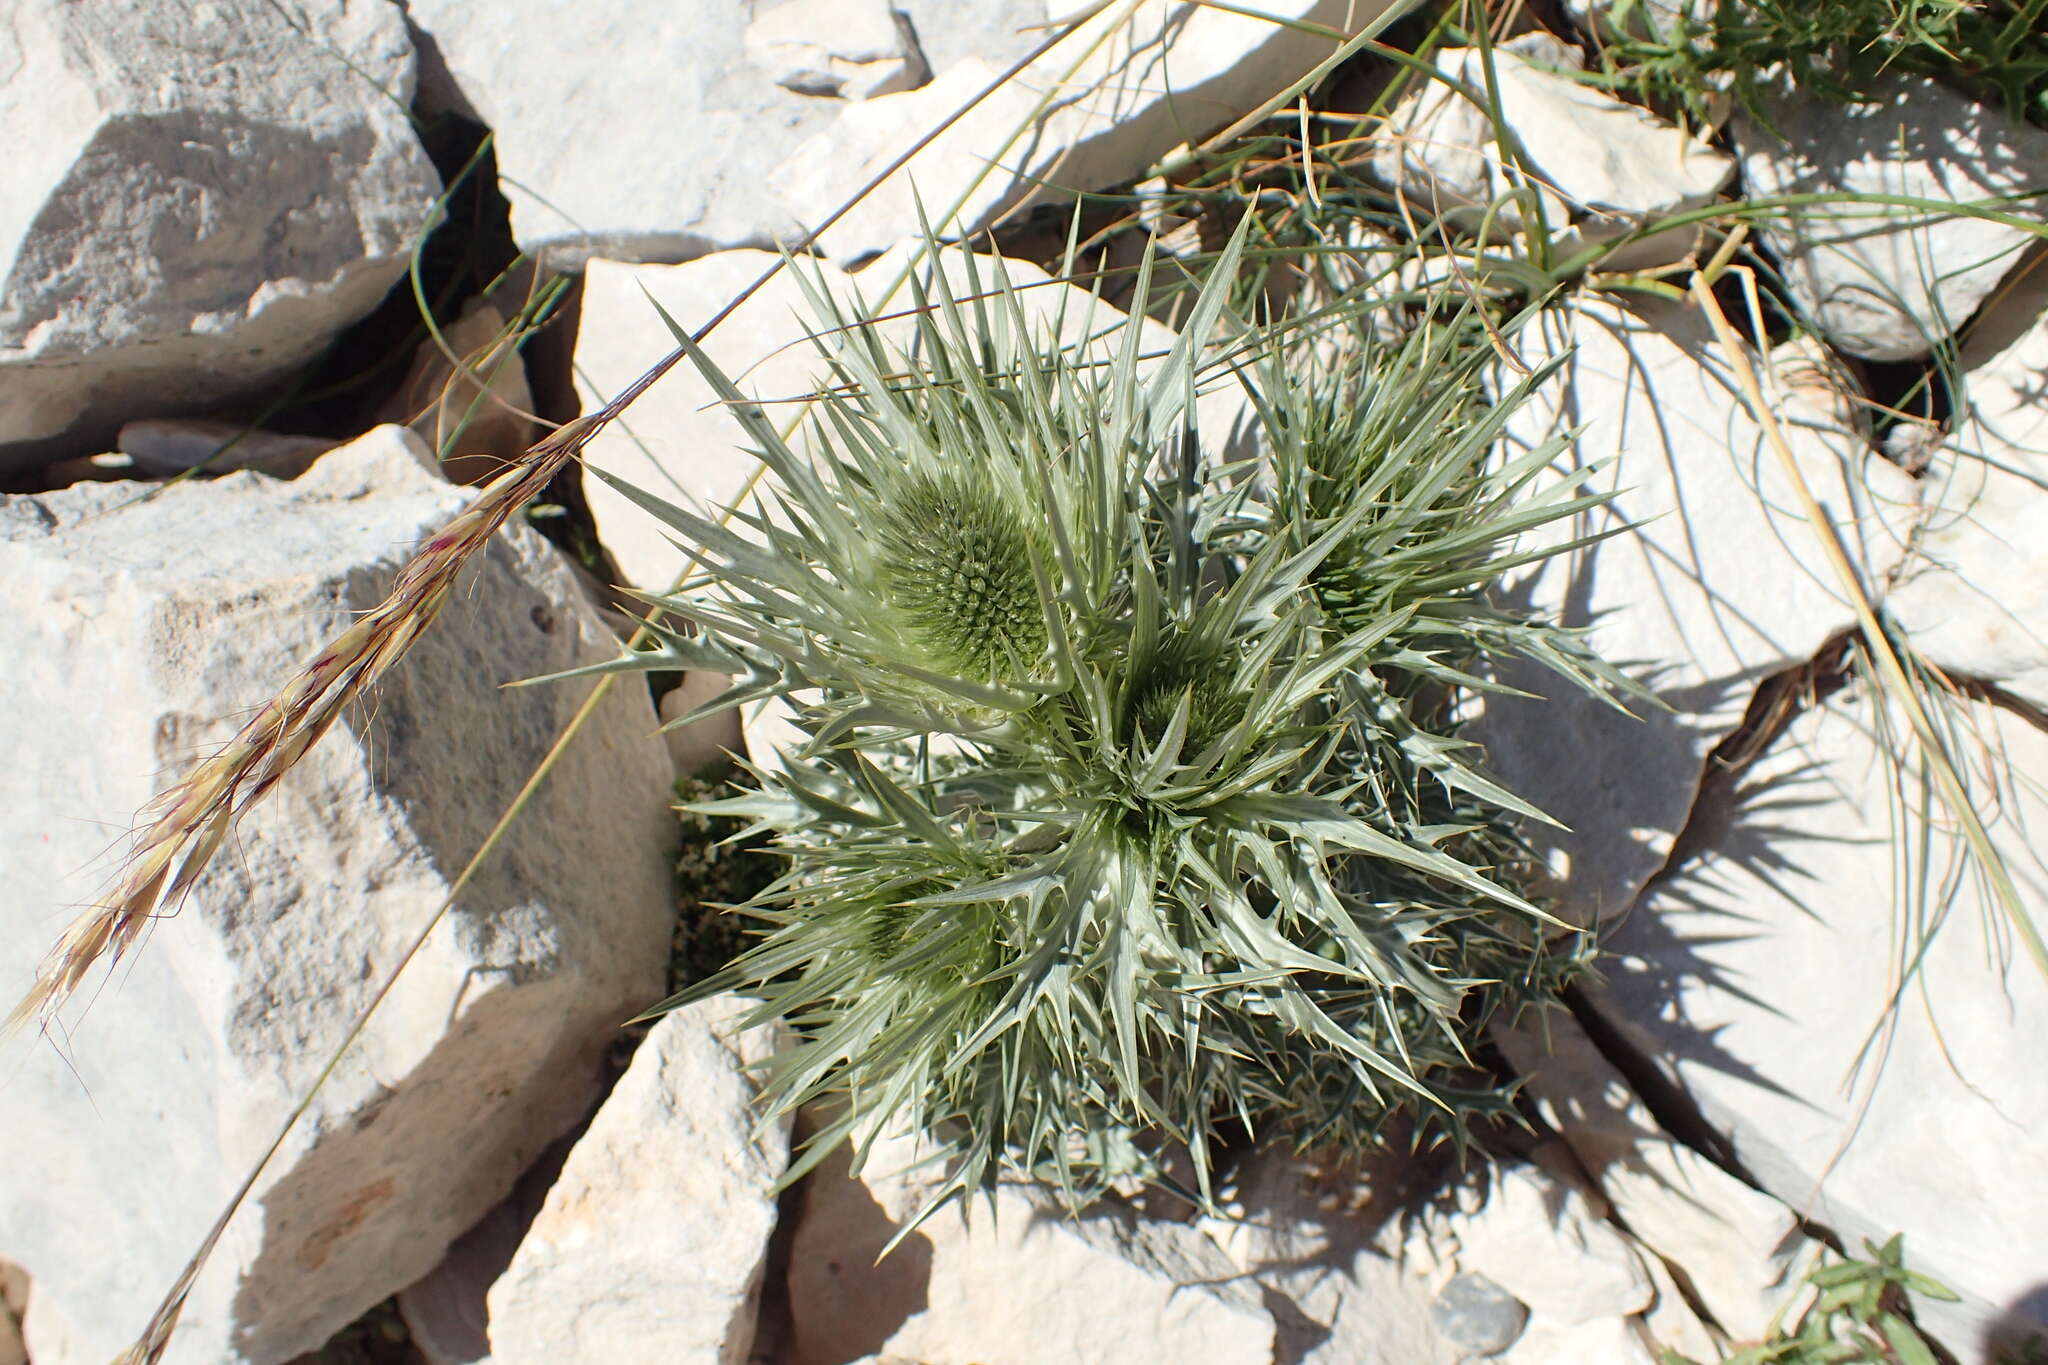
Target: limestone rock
x: 1538, y: 1240
x: 853, y: 49
x: 1975, y: 600
x: 677, y: 441
x: 1591, y: 156
x: 650, y: 1245
x: 1755, y: 975
x: 1323, y: 1244
x: 1887, y: 284
x: 137, y: 632
x: 651, y: 136
x: 1477, y: 1315
x: 1119, y: 91
x: 1742, y: 1251
x: 198, y: 198
x: 702, y: 744
x: 1716, y: 583
x: 1608, y: 1340
x: 1013, y: 1284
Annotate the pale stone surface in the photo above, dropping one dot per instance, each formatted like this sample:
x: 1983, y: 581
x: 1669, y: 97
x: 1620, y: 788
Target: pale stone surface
x: 1719, y: 583
x: 852, y: 49
x: 1590, y: 156
x: 1478, y: 1315
x: 649, y: 1247
x: 137, y: 632
x: 446, y: 1311
x: 1126, y: 86
x: 1888, y: 283
x: 1608, y: 1341
x: 1016, y: 1283
x: 1671, y: 1323
x: 196, y: 199
x: 1330, y: 1257
x: 677, y: 442
x: 651, y: 137
x: 1975, y: 600
x: 172, y: 445
x: 1742, y: 1251
x: 1754, y: 976
x: 1537, y: 1239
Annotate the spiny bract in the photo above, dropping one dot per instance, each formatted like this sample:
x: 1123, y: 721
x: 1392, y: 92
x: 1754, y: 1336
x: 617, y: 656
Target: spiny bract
x: 1130, y: 806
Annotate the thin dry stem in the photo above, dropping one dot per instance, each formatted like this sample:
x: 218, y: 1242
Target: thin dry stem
x: 182, y: 828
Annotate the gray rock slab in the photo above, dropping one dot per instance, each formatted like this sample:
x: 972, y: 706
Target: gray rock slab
x: 1478, y: 1315
x: 1758, y: 979
x: 1593, y: 159
x: 1889, y: 282
x: 844, y: 49
x: 1125, y: 88
x: 199, y: 198
x: 1974, y: 600
x: 648, y: 134
x: 1016, y: 1283
x: 649, y: 1246
x: 138, y: 631
x: 1713, y: 582
x: 1322, y: 1239
x: 1741, y: 1250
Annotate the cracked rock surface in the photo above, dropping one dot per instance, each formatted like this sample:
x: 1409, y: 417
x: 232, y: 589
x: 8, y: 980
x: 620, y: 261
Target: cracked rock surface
x: 1756, y: 977
x: 129, y: 624
x: 1717, y: 584
x: 197, y: 198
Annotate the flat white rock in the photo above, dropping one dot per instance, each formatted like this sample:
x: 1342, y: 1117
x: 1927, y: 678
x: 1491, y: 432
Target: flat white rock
x: 1741, y: 1250
x: 1330, y: 1262
x: 852, y: 49
x: 649, y: 1246
x: 1589, y: 156
x: 1714, y: 581
x: 652, y: 136
x: 1016, y: 1283
x: 1599, y: 1341
x: 1754, y: 976
x: 1127, y: 86
x: 1975, y: 600
x: 1887, y: 283
x: 139, y: 631
x: 198, y: 197
x: 1538, y: 1239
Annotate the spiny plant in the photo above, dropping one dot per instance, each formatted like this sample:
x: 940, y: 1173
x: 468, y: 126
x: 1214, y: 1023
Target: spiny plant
x: 1129, y: 807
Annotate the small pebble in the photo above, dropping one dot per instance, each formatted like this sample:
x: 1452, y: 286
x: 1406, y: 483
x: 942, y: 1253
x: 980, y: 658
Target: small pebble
x: 1477, y: 1315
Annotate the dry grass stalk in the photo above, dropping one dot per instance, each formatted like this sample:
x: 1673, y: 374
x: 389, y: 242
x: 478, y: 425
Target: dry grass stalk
x: 181, y: 829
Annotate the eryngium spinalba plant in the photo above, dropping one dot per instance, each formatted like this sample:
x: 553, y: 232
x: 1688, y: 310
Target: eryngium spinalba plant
x: 1129, y: 807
